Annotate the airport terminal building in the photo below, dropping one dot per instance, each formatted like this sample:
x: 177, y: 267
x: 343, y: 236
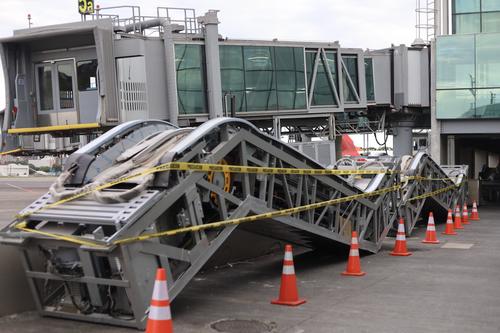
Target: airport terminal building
x: 466, y: 117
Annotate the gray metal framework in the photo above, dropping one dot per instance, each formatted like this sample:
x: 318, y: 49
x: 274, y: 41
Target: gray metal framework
x: 422, y: 165
x: 420, y: 175
x: 113, y: 285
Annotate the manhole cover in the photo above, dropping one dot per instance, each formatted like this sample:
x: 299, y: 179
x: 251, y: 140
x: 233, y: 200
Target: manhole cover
x: 240, y: 326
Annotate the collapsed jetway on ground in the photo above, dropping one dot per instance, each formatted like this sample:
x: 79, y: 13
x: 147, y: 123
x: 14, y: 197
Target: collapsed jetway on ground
x: 147, y: 194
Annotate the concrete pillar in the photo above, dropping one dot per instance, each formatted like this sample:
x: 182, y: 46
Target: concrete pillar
x: 451, y: 150
x: 435, y: 146
x: 437, y: 17
x: 171, y: 73
x: 338, y: 147
x: 403, y: 140
x: 214, y: 91
x: 445, y: 16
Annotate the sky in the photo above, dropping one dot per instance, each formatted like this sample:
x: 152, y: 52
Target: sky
x: 363, y: 24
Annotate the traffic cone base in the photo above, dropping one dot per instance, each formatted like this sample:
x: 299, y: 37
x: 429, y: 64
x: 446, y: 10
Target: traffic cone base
x: 449, y: 225
x: 353, y: 263
x: 402, y: 254
x: 159, y: 317
x: 289, y: 294
x: 465, y: 215
x: 400, y: 245
x: 474, y: 216
x: 289, y: 303
x: 430, y: 234
x: 353, y: 274
x: 457, y: 223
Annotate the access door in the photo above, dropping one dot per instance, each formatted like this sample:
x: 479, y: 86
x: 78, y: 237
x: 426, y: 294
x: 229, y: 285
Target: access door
x: 55, y: 92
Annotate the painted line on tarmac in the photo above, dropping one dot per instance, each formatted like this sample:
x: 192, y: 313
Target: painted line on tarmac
x: 19, y: 188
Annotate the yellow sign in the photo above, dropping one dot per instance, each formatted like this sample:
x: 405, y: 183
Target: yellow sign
x: 86, y: 7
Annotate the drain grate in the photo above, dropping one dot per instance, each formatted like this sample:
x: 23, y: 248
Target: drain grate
x: 241, y: 325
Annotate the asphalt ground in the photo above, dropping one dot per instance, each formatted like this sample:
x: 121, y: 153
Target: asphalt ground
x: 449, y: 287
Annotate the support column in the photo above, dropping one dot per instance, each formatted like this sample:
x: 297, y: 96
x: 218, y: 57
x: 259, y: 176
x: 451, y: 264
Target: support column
x: 435, y: 144
x: 332, y: 136
x: 445, y: 15
x: 171, y: 74
x: 214, y: 90
x: 451, y: 150
x: 338, y: 147
x: 403, y: 140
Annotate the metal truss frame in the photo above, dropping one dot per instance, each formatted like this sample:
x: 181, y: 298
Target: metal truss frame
x: 186, y: 199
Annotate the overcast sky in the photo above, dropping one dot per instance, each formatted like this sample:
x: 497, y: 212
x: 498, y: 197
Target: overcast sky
x: 354, y: 23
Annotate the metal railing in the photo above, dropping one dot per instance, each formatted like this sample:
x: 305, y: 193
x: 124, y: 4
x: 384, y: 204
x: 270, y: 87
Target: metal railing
x: 131, y: 16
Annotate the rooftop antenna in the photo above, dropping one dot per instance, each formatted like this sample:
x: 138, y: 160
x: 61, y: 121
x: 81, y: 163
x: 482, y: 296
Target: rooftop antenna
x: 29, y: 21
x: 425, y: 22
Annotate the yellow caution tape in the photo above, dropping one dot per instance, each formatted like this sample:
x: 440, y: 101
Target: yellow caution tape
x: 205, y: 167
x: 433, y: 193
x: 17, y: 150
x: 72, y: 239
x: 253, y: 218
x: 284, y: 212
x: 82, y: 194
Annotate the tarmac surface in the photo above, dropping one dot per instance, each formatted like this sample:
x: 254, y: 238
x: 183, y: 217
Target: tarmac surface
x: 450, y: 287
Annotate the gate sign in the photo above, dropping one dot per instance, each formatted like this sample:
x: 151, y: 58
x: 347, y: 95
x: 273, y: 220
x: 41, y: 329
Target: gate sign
x: 86, y: 7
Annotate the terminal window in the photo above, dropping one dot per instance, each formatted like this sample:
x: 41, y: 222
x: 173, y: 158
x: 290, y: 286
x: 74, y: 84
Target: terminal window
x: 472, y: 16
x: 468, y: 76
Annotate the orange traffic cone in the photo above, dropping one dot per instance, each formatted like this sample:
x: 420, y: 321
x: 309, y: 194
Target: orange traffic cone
x: 449, y: 225
x: 353, y: 263
x: 400, y: 246
x: 430, y: 234
x: 289, y: 294
x: 159, y: 318
x: 457, y: 223
x: 475, y: 215
x: 465, y: 215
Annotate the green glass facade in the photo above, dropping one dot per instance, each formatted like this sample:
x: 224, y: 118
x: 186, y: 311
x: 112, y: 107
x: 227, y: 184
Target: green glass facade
x: 322, y: 89
x: 350, y: 87
x: 269, y: 78
x: 474, y: 16
x: 191, y: 91
x: 468, y: 76
x: 370, y: 86
x: 263, y: 78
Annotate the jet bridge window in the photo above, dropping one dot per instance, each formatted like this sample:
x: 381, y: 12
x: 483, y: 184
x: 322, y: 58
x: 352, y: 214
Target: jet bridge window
x: 350, y: 86
x: 190, y: 78
x: 370, y: 87
x: 263, y: 78
x: 323, y: 83
x: 44, y: 73
x: 86, y: 73
x: 55, y: 85
x: 65, y: 77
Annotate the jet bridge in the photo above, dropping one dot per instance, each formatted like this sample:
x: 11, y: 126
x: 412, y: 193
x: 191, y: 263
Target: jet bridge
x: 90, y: 250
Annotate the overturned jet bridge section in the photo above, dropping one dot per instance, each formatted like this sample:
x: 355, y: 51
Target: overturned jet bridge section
x: 147, y: 194
x: 425, y: 185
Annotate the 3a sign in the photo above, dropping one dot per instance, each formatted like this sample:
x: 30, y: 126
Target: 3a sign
x: 86, y: 7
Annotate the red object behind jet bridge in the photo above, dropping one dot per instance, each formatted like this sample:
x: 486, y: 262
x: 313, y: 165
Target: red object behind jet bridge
x: 348, y: 147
